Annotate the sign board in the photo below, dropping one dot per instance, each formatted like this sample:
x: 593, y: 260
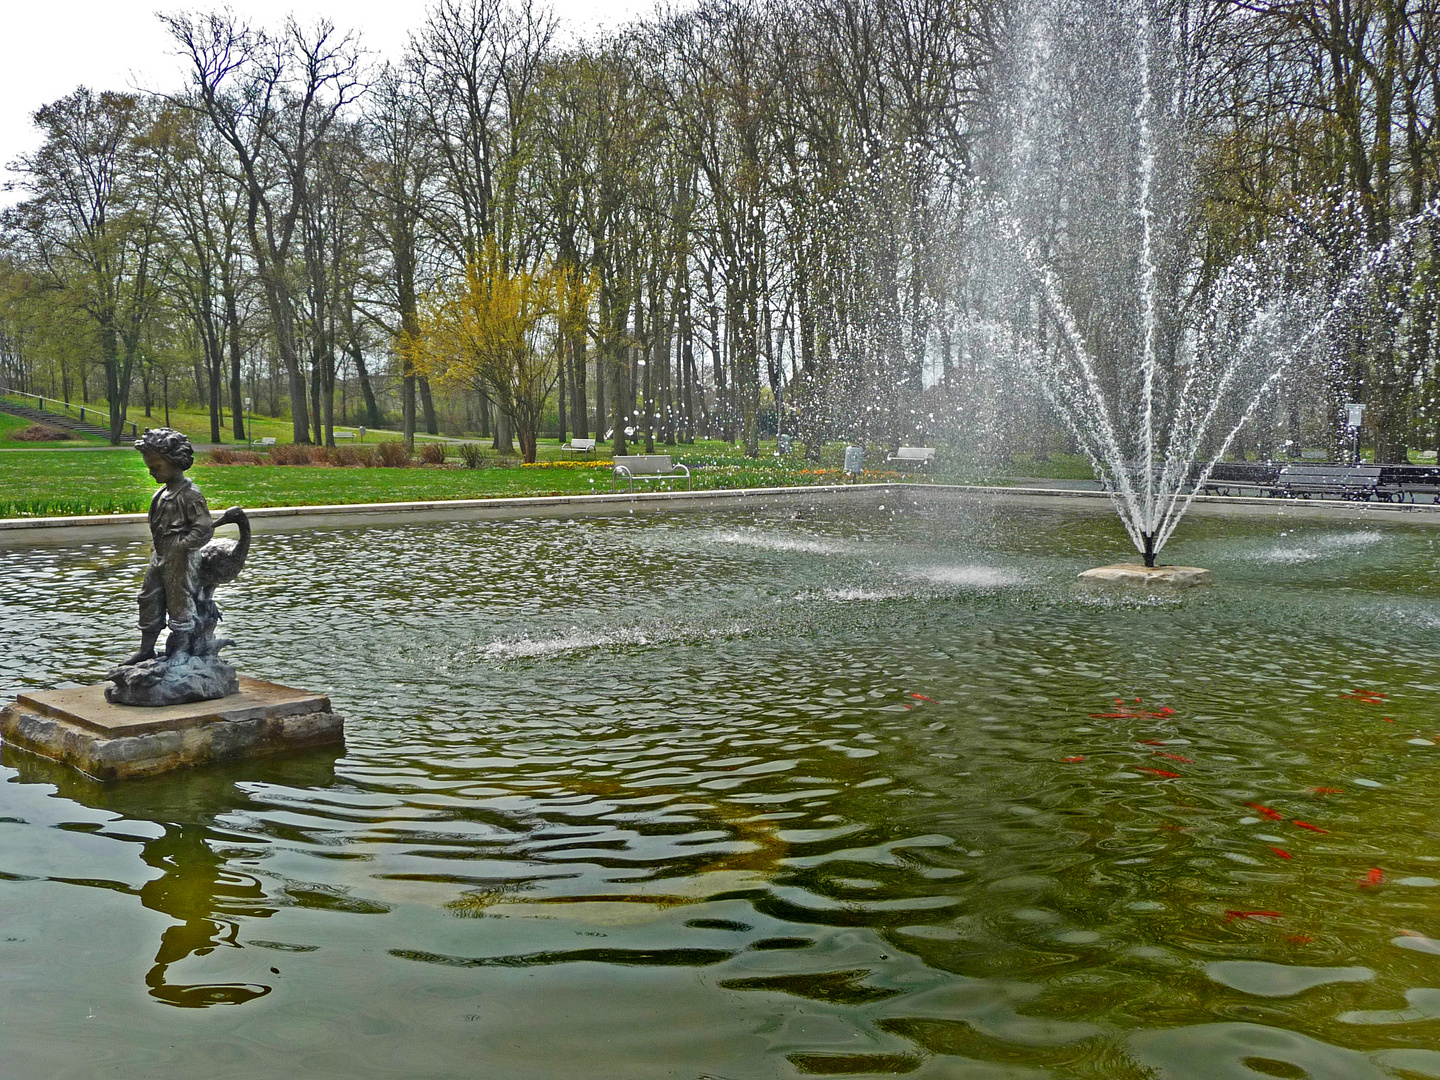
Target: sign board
x: 1354, y: 414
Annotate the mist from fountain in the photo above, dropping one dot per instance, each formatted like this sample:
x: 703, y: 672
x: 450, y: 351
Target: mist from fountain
x: 1183, y: 363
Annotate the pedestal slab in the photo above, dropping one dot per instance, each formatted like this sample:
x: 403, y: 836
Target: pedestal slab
x: 1136, y: 574
x: 118, y: 742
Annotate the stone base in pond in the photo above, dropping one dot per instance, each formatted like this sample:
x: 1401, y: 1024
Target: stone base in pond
x: 1148, y: 576
x: 119, y: 742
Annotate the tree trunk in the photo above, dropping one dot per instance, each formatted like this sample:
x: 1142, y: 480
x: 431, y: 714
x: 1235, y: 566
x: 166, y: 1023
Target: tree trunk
x: 367, y: 391
x: 600, y: 377
x: 407, y: 404
x: 232, y: 340
x: 560, y: 398
x: 427, y: 404
x: 579, y: 405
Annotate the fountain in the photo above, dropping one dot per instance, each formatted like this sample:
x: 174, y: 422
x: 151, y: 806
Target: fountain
x: 1154, y: 362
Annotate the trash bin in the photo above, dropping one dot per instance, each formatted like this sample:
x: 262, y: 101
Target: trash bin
x: 854, y: 460
x: 782, y: 444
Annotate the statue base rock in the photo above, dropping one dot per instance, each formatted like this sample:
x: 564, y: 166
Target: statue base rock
x: 111, y: 741
x: 172, y: 680
x: 1148, y: 576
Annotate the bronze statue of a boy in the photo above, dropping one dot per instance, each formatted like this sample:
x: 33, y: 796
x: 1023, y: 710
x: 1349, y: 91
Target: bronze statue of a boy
x: 180, y: 526
x: 186, y: 565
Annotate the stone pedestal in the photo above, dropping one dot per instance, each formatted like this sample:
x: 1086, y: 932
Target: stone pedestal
x: 118, y: 742
x: 1148, y: 576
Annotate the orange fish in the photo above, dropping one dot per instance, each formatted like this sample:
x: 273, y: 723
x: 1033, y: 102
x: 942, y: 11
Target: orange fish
x: 1374, y: 877
x: 1327, y: 791
x: 1133, y: 714
x: 1312, y: 828
x: 1231, y: 916
x: 1281, y: 852
x: 1299, y: 939
x: 1151, y: 742
x: 1160, y: 772
x: 1174, y: 757
x: 1273, y: 815
x: 1365, y: 697
x: 1076, y: 757
x: 922, y: 697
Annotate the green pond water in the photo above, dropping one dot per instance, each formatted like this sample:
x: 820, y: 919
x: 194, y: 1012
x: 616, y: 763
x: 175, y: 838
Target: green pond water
x: 735, y: 796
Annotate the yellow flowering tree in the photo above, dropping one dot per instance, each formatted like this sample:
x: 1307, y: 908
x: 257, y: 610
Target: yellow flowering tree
x: 501, y: 332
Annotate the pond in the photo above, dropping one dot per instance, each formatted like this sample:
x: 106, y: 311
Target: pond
x: 848, y: 792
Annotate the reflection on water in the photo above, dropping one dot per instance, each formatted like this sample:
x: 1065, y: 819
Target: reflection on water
x: 740, y: 796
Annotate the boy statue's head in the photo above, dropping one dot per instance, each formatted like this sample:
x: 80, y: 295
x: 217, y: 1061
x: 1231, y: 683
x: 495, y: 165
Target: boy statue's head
x: 167, y: 453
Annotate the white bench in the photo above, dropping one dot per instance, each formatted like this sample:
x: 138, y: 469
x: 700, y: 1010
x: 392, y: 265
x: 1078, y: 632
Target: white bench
x: 913, y: 455
x: 579, y: 446
x: 647, y: 467
x: 269, y: 440
x: 345, y: 435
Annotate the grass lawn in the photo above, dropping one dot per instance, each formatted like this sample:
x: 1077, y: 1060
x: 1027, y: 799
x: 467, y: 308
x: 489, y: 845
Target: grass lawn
x: 9, y: 425
x: 58, y: 483
x: 195, y: 423
x: 61, y: 483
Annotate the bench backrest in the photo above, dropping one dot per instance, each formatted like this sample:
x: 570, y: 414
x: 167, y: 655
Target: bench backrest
x: 582, y: 444
x: 1355, y: 475
x: 916, y: 453
x: 645, y: 464
x: 269, y: 440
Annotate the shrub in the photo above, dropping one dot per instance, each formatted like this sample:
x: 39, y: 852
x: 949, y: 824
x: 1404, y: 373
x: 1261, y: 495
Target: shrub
x: 40, y: 433
x: 345, y: 456
x: 393, y: 454
x: 433, y: 453
x: 290, y: 454
x: 472, y: 454
x: 321, y: 455
x: 235, y: 457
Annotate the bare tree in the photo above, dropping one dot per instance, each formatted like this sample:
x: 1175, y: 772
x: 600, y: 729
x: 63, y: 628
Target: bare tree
x: 273, y: 99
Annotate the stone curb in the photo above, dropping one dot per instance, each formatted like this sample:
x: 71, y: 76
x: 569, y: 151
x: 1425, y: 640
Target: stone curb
x: 516, y: 506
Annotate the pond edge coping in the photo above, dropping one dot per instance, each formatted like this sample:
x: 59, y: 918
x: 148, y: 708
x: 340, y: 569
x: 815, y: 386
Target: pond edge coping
x: 521, y: 505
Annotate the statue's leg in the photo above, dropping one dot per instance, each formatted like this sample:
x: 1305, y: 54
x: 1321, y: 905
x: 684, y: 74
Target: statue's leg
x: 152, y: 614
x: 180, y: 606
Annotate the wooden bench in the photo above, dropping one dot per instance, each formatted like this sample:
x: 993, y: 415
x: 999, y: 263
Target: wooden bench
x: 919, y: 456
x: 344, y: 435
x: 647, y: 467
x: 579, y: 446
x: 1359, y: 482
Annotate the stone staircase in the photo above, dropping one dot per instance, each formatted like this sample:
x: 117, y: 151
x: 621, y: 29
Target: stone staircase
x: 55, y: 420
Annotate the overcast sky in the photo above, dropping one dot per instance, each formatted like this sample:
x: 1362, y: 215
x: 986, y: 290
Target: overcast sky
x: 49, y: 47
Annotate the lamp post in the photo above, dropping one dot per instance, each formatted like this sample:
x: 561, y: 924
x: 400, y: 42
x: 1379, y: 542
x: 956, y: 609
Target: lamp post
x: 1354, y: 417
